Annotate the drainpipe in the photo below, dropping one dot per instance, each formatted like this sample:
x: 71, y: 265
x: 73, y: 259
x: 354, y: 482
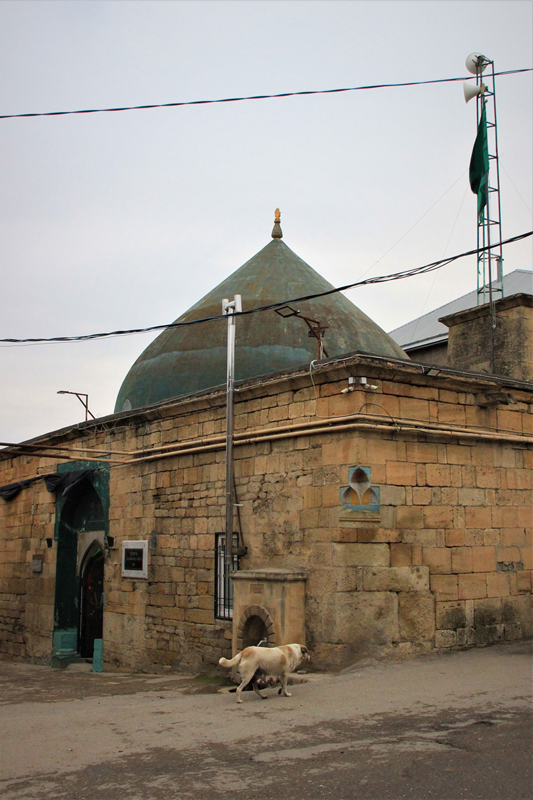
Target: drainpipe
x: 230, y: 309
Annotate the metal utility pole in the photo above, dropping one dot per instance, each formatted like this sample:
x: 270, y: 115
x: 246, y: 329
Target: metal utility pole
x: 230, y: 309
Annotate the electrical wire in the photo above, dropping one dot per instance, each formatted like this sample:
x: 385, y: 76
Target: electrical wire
x: 516, y: 190
x: 435, y: 276
x: 252, y: 97
x: 408, y: 273
x: 414, y: 224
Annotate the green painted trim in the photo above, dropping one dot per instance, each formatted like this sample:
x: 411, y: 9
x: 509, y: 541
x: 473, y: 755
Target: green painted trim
x: 100, y: 483
x: 98, y: 656
x: 65, y: 647
x: 67, y: 587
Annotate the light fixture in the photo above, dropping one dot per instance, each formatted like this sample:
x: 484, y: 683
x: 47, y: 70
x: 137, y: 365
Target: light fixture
x: 85, y: 403
x: 366, y: 385
x: 352, y: 385
x: 315, y: 331
x: 287, y: 311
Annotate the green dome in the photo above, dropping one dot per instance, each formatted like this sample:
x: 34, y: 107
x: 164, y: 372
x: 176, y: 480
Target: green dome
x: 190, y: 359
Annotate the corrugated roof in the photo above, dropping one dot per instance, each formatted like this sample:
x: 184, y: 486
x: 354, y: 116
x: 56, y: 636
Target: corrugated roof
x: 427, y: 329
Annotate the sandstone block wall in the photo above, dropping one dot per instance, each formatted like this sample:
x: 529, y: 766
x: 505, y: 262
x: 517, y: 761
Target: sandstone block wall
x: 277, y: 597
x: 447, y: 563
x: 26, y: 598
x: 469, y: 337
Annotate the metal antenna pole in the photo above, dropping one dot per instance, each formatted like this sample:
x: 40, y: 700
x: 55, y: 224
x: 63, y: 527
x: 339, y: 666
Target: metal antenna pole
x: 230, y: 309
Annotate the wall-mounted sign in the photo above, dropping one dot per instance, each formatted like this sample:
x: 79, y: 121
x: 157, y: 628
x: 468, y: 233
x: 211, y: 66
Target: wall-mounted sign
x: 135, y: 559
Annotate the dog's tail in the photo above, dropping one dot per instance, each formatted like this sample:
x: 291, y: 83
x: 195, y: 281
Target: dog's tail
x: 224, y: 662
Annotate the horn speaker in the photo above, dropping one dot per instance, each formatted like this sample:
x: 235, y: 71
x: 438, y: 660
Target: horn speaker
x: 471, y: 91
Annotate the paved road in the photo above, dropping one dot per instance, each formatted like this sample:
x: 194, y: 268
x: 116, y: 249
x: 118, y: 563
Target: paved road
x: 444, y: 726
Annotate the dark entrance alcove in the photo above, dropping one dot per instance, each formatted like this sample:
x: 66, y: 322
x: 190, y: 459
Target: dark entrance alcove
x: 91, y: 596
x: 253, y: 632
x: 81, y: 524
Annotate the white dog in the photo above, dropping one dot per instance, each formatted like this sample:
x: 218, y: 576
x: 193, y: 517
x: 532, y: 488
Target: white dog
x: 254, y: 663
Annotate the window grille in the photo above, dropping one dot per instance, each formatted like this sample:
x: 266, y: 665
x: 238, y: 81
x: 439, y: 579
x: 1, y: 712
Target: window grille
x: 223, y: 583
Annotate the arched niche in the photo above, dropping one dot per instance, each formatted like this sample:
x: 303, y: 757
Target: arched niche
x: 254, y: 625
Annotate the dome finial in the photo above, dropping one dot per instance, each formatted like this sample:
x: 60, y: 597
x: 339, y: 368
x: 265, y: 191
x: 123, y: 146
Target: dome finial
x: 276, y: 230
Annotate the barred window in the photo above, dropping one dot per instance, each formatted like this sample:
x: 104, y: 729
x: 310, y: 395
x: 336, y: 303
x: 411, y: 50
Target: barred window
x: 223, y: 583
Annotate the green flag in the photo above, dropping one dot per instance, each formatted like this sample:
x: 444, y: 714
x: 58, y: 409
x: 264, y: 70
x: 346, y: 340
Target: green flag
x: 479, y: 165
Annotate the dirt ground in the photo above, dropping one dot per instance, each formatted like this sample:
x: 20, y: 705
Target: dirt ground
x: 445, y: 726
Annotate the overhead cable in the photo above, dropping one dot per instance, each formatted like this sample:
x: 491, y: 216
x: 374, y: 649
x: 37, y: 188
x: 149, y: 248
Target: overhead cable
x: 408, y: 273
x: 251, y: 97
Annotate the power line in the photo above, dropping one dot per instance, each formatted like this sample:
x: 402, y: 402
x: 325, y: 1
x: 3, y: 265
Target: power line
x: 251, y: 97
x: 408, y: 273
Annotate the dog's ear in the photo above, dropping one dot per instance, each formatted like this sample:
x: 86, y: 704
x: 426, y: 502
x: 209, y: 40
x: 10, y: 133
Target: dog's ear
x: 305, y: 651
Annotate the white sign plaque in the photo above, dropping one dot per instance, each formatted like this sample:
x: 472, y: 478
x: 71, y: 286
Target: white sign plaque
x: 135, y: 559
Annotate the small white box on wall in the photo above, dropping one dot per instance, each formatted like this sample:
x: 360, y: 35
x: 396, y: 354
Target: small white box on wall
x: 135, y: 559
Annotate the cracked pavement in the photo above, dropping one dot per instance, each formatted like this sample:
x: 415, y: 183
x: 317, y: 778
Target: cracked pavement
x: 446, y: 726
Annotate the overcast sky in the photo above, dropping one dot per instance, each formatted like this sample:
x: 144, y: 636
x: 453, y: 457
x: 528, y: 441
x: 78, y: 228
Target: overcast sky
x: 125, y: 220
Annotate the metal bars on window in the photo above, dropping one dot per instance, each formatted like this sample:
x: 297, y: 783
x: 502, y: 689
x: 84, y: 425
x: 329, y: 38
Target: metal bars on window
x: 223, y: 582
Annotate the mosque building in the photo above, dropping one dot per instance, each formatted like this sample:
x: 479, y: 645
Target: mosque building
x: 382, y: 504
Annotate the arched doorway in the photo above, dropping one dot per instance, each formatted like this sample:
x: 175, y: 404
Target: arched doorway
x: 81, y: 526
x: 91, y: 599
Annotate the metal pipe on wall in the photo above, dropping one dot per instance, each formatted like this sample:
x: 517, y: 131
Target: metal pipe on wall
x: 273, y: 434
x: 230, y: 309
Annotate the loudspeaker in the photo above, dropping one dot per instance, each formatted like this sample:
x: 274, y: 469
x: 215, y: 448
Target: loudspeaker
x: 476, y: 63
x: 472, y: 91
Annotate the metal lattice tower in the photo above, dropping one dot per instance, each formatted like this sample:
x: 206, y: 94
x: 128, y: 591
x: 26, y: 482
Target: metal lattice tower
x: 489, y: 229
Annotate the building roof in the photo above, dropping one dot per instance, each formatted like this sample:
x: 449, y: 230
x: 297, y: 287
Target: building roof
x: 190, y: 359
x: 427, y: 330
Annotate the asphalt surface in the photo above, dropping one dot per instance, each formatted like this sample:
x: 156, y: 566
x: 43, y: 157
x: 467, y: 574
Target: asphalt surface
x: 443, y: 726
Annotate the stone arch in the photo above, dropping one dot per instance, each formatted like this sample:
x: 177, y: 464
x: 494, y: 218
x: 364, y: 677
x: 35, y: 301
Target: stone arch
x: 247, y: 617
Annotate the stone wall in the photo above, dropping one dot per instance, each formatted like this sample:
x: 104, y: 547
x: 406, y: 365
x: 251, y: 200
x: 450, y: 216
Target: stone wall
x: 444, y: 561
x: 469, y: 341
x: 275, y: 597
x: 26, y: 597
